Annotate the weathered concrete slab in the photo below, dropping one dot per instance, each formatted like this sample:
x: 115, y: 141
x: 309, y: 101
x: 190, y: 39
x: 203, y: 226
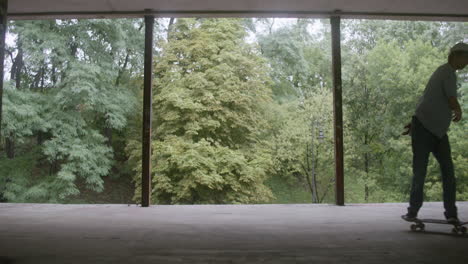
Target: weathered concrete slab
x: 299, y: 233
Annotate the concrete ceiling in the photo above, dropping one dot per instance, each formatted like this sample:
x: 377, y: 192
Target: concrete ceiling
x: 394, y: 9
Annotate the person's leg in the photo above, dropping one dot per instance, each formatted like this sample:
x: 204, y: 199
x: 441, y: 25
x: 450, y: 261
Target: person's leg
x: 422, y: 142
x: 444, y: 156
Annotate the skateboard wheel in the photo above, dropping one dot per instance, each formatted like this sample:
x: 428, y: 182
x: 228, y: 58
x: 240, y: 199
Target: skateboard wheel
x: 417, y: 227
x: 455, y: 230
x: 421, y: 227
x: 463, y: 230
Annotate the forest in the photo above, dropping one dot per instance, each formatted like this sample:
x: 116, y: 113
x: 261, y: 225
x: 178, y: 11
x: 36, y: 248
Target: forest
x: 242, y: 110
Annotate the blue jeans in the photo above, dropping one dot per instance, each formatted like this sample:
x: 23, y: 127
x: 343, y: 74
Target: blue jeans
x: 423, y: 143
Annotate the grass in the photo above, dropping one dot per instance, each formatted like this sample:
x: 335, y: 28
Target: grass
x: 287, y: 194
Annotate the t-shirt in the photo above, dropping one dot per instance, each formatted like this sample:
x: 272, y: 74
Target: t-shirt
x: 433, y: 110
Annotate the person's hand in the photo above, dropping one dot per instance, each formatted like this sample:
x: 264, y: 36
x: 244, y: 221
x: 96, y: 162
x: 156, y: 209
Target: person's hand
x: 408, y: 129
x: 457, y: 115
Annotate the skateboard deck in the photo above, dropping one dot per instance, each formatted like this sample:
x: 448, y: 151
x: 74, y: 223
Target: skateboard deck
x: 458, y: 227
x: 439, y: 221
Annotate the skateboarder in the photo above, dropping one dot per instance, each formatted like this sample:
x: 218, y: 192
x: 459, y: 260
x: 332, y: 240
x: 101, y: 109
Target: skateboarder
x: 428, y: 129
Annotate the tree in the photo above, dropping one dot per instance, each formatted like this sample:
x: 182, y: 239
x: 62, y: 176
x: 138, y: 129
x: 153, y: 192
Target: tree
x: 209, y: 101
x: 303, y: 144
x: 73, y: 89
x: 298, y: 59
x: 383, y: 79
x: 299, y: 62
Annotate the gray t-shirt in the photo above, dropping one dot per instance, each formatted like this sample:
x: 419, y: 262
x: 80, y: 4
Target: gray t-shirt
x: 433, y: 110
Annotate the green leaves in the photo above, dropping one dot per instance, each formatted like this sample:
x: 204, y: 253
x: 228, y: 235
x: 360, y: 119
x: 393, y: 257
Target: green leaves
x: 387, y: 65
x: 202, y: 172
x: 299, y: 60
x: 23, y: 113
x: 75, y: 86
x: 241, y: 107
x: 210, y: 96
x: 82, y: 153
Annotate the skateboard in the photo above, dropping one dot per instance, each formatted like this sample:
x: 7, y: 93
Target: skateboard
x: 459, y: 228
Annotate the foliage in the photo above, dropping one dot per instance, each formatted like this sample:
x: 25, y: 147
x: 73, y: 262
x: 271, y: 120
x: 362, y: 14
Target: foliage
x: 299, y: 60
x: 303, y: 147
x: 72, y: 90
x: 209, y: 104
x: 384, y: 77
x: 242, y: 109
x: 23, y: 113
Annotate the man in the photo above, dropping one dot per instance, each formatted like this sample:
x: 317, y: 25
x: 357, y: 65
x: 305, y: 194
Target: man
x: 428, y: 128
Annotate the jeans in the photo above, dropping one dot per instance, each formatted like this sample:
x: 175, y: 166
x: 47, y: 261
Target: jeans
x: 423, y: 143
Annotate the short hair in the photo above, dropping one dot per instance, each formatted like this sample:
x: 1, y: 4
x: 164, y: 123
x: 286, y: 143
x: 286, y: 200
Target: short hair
x: 457, y: 53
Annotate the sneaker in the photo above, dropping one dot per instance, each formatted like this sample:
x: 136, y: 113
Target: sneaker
x: 409, y: 217
x: 453, y: 220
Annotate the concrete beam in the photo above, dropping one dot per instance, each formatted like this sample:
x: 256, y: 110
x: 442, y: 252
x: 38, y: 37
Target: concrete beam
x: 370, y: 9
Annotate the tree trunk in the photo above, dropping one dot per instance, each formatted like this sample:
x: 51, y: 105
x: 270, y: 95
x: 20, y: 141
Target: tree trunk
x: 366, y: 191
x: 332, y: 180
x: 311, y: 182
x: 42, y: 78
x: 53, y: 169
x: 169, y: 27
x: 306, y: 173
x: 54, y: 75
x: 15, y: 74
x: 108, y: 134
x: 10, y: 147
x: 122, y: 69
x: 314, y: 176
x: 17, y: 66
x: 366, y: 170
x: 41, y: 137
x: 314, y: 162
x: 37, y: 78
x: 366, y: 143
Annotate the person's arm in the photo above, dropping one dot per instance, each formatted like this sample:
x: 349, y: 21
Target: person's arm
x: 450, y: 89
x: 455, y: 106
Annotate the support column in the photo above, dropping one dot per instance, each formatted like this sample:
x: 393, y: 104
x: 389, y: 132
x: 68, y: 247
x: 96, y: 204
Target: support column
x: 337, y: 109
x: 3, y: 30
x: 147, y: 113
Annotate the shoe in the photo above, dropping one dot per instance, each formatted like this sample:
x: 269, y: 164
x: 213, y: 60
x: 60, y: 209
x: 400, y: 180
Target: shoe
x: 409, y: 217
x: 453, y: 220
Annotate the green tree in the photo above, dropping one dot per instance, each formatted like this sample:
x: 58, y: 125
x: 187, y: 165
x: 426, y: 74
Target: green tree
x: 299, y: 60
x: 209, y: 102
x: 386, y: 67
x: 77, y: 78
x: 303, y: 145
x: 300, y: 67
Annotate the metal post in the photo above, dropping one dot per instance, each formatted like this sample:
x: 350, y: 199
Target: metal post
x: 147, y: 115
x: 337, y: 109
x: 3, y: 30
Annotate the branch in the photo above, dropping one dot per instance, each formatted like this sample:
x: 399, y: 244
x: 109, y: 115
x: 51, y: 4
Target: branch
x: 327, y: 189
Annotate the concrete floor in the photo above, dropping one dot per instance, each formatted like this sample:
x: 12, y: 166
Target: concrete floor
x: 300, y: 233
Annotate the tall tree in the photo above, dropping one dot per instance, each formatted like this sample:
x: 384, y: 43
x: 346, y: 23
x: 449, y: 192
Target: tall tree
x: 210, y: 95
x: 299, y: 60
x: 77, y: 77
x: 386, y: 69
